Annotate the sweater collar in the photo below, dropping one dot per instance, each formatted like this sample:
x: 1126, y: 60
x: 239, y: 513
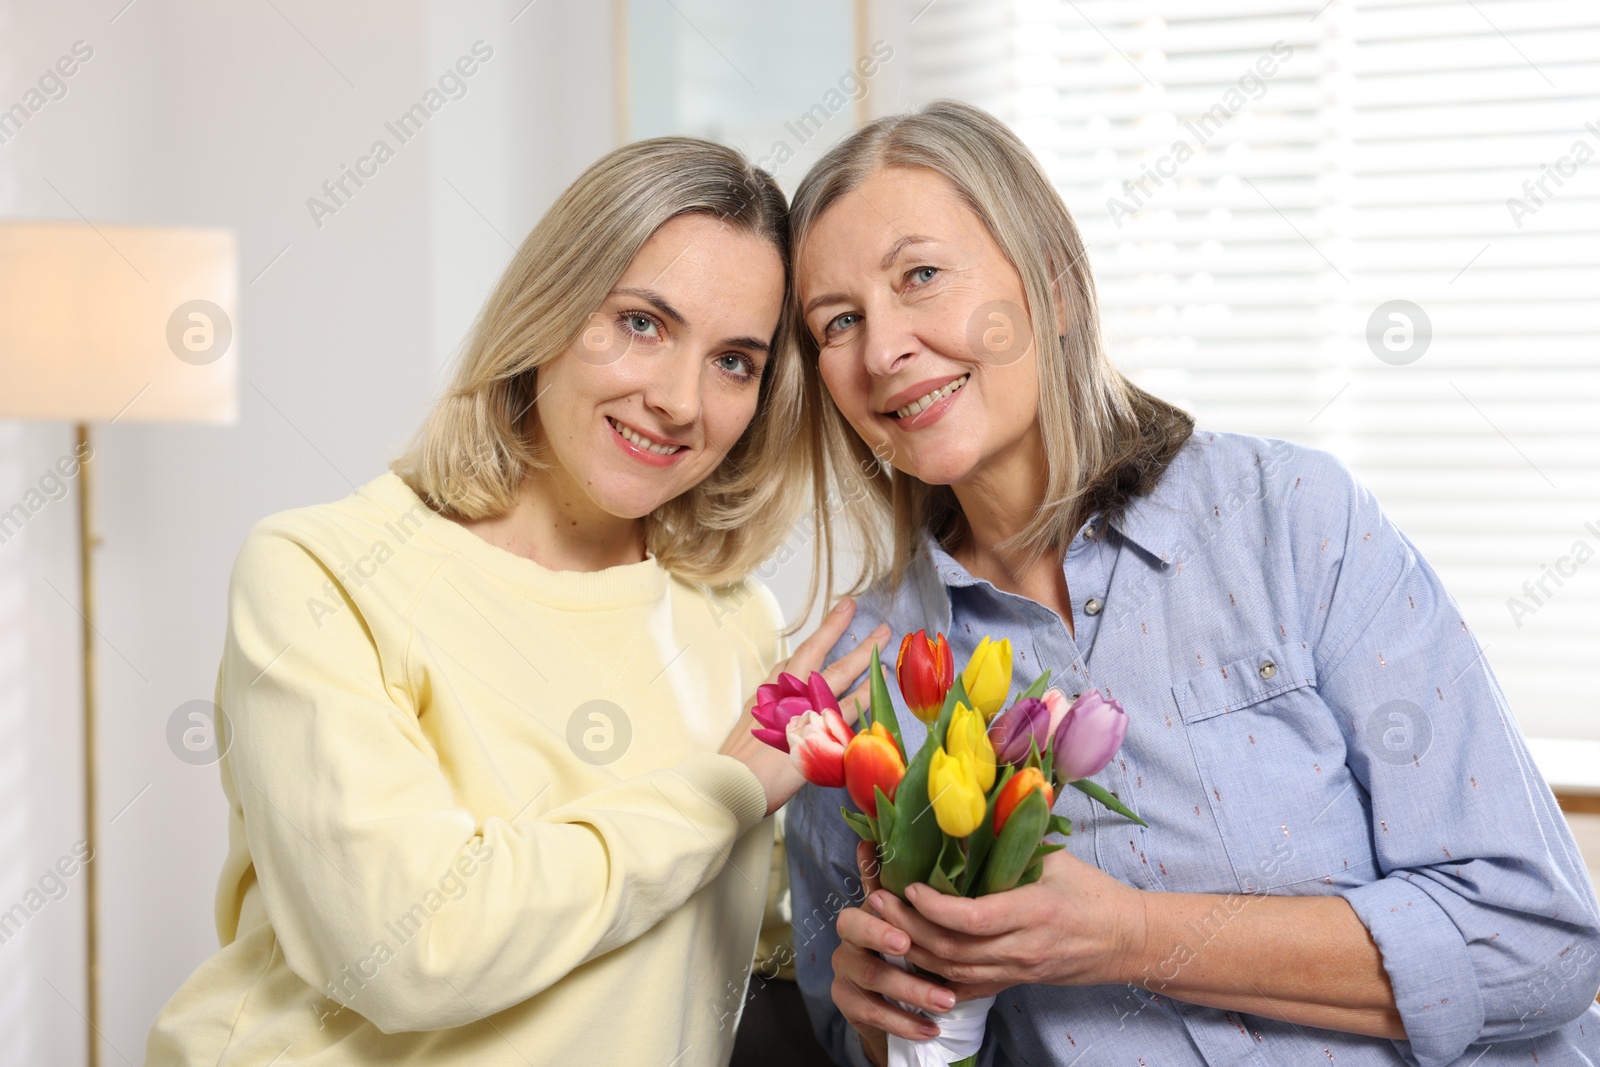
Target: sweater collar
x: 612, y: 587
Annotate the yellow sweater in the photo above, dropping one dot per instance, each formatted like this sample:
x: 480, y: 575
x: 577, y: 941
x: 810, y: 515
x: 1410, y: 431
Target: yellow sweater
x: 476, y: 810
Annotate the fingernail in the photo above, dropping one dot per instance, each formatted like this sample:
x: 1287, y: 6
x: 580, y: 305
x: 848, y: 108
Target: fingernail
x: 878, y: 901
x: 943, y: 1000
x: 911, y: 893
x: 898, y: 943
x: 929, y: 1030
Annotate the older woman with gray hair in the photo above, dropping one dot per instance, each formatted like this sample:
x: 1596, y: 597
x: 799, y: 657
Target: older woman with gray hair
x: 1349, y: 854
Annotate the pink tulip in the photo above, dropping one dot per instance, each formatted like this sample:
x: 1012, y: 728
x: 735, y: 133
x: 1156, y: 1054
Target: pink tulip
x: 1089, y: 734
x: 778, y: 703
x: 816, y: 744
x: 1059, y: 704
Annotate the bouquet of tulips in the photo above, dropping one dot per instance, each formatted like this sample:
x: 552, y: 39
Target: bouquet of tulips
x: 989, y: 776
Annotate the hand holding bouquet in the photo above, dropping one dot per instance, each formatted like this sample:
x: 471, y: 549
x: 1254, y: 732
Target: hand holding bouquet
x: 989, y: 777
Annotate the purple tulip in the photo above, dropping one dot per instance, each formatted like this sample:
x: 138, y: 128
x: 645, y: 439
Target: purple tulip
x: 786, y: 699
x: 1015, y: 730
x: 1089, y: 735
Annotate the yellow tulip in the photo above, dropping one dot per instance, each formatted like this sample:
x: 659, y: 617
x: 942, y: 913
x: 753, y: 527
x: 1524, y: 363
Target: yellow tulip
x: 958, y: 803
x: 987, y: 678
x: 968, y: 740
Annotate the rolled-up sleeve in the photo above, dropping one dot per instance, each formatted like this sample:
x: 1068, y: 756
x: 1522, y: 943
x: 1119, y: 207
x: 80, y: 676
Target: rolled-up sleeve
x: 1485, y: 914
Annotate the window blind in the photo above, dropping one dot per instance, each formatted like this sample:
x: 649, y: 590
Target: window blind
x: 1371, y: 226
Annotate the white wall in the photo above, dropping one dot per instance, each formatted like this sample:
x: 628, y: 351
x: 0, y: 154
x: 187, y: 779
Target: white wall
x: 233, y: 115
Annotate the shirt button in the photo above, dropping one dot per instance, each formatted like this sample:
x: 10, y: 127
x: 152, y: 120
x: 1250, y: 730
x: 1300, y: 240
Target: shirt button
x: 1088, y: 532
x: 1268, y: 669
x: 1092, y: 607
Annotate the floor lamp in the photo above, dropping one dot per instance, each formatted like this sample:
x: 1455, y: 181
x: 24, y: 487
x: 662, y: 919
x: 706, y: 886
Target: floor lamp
x: 102, y: 323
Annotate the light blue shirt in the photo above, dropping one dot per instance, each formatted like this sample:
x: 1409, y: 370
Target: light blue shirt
x: 1310, y: 715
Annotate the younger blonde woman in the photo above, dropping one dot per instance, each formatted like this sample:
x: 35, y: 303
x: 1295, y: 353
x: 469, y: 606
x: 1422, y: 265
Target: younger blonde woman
x: 493, y: 794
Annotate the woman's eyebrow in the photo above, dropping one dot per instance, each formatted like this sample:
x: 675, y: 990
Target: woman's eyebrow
x: 655, y: 299
x: 900, y: 246
x: 750, y: 343
x: 661, y: 304
x: 817, y: 301
x: 884, y: 264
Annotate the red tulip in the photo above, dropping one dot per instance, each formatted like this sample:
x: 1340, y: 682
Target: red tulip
x: 872, y: 759
x: 816, y: 745
x: 1016, y: 790
x: 926, y: 670
x: 779, y: 702
x: 1088, y: 736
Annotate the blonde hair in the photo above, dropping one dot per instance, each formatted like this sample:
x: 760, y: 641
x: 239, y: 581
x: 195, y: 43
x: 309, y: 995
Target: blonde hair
x: 471, y: 455
x: 1105, y: 439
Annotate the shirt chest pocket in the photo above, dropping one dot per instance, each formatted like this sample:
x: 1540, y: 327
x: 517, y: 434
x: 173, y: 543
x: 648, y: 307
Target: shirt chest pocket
x: 1271, y: 762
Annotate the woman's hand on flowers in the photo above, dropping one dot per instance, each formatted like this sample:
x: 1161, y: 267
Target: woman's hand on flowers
x: 772, y: 766
x: 1076, y: 925
x: 862, y: 978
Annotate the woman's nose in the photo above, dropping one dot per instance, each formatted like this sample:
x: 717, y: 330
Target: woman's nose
x: 889, y: 339
x: 673, y: 389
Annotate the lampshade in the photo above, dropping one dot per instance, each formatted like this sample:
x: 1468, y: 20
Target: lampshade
x: 133, y: 323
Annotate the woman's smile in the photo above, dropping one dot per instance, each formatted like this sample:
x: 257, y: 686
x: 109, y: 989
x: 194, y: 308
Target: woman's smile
x: 928, y: 404
x: 646, y: 448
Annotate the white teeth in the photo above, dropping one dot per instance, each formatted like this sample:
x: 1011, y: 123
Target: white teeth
x: 917, y: 407
x: 639, y: 442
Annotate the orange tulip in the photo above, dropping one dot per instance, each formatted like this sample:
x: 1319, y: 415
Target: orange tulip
x: 1016, y: 790
x: 872, y: 759
x: 926, y: 670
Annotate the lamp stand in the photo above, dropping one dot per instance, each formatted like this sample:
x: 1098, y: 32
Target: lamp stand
x: 87, y: 542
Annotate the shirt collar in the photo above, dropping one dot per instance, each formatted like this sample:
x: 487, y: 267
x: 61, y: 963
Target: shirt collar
x: 1154, y: 523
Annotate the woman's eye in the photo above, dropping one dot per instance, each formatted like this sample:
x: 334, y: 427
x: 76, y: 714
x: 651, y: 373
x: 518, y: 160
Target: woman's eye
x: 643, y: 325
x: 841, y: 322
x: 924, y: 275
x: 737, y: 364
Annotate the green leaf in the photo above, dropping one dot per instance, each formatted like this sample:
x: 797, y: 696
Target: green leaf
x: 952, y: 861
x: 1014, y: 849
x: 1044, y: 849
x: 916, y: 840
x: 1060, y: 824
x: 859, y: 823
x: 1035, y: 868
x: 1036, y: 690
x: 882, y: 706
x: 941, y: 881
x: 1083, y: 785
x: 941, y: 725
x: 886, y: 814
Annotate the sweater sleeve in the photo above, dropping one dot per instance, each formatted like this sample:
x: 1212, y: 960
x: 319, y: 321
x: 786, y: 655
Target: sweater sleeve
x: 1485, y: 915
x: 387, y: 894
